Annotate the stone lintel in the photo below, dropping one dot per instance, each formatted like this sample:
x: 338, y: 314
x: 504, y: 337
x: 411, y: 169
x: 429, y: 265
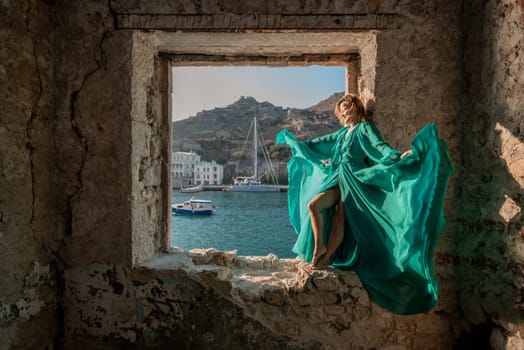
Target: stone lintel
x: 232, y: 22
x: 270, y: 7
x: 263, y: 60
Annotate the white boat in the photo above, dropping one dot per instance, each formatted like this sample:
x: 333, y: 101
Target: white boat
x: 253, y: 183
x: 194, y: 189
x: 194, y: 207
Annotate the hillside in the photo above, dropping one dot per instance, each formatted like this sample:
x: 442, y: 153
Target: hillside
x: 219, y: 134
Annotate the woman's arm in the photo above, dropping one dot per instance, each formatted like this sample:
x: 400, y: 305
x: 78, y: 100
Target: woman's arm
x: 324, y: 145
x: 329, y: 138
x: 375, y: 147
x: 315, y: 150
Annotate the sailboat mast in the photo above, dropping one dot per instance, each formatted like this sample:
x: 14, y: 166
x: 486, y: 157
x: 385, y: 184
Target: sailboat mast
x: 255, y: 149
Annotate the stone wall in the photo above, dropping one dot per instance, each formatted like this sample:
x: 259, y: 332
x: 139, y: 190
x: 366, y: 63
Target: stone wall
x: 217, y: 300
x: 84, y: 185
x: 109, y: 299
x: 488, y: 262
x: 93, y: 115
x: 27, y: 215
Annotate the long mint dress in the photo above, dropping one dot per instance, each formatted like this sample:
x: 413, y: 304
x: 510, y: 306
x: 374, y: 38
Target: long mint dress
x: 393, y: 208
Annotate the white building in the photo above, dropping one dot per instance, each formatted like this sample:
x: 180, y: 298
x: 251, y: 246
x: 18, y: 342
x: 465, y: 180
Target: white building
x: 208, y: 173
x: 183, y: 168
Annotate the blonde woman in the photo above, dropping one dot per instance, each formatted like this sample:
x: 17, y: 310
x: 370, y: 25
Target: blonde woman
x: 357, y: 203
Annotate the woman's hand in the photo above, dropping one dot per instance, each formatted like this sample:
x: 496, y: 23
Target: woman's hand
x: 406, y: 153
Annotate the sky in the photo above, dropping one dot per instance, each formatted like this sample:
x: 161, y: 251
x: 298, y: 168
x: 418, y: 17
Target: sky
x: 203, y: 88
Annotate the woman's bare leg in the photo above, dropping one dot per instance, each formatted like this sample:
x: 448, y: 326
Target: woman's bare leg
x: 320, y: 202
x: 336, y: 236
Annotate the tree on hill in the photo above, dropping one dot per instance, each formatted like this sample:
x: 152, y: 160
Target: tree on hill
x: 279, y: 152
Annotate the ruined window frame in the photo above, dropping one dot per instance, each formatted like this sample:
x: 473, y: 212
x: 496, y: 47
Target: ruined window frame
x: 153, y: 54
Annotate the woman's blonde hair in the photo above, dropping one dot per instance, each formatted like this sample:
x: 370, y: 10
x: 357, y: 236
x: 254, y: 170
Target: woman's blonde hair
x: 355, y: 106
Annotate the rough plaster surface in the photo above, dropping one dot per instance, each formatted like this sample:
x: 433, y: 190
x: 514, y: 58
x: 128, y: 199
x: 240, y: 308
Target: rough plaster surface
x: 81, y: 159
x: 93, y: 135
x: 489, y: 256
x: 176, y: 293
x: 25, y: 322
x: 157, y: 307
x: 27, y: 219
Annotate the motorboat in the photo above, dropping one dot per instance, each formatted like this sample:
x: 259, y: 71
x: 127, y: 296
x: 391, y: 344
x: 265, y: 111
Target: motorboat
x: 194, y: 207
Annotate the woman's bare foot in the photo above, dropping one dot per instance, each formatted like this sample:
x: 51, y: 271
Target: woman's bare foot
x: 323, y: 261
x: 317, y: 256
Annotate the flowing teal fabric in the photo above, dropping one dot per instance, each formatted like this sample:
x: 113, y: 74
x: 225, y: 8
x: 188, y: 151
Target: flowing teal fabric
x: 393, y: 208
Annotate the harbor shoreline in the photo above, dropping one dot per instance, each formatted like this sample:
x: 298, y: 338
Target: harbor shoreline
x: 224, y: 187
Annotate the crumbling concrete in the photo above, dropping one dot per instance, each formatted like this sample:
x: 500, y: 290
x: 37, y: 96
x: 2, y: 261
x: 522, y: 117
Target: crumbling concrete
x: 292, y: 308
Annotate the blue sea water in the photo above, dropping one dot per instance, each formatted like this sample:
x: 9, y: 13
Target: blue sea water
x: 252, y: 223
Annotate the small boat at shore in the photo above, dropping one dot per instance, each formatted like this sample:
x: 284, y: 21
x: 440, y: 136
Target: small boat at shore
x: 194, y: 189
x: 194, y: 207
x: 251, y: 184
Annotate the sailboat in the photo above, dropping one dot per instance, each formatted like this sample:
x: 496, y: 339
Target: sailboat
x: 253, y: 183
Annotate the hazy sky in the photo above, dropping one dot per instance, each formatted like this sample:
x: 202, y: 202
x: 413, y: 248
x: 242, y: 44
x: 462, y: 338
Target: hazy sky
x: 204, y: 88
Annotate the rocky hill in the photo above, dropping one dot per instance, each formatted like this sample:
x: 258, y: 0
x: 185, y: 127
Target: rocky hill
x: 219, y: 134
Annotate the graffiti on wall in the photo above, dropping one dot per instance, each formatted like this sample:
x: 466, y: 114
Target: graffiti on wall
x: 490, y: 226
x: 480, y: 261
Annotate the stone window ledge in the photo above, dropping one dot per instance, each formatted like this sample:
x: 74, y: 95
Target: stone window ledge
x: 264, y: 279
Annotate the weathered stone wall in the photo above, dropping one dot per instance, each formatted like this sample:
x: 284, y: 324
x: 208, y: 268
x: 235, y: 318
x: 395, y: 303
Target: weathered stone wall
x: 27, y: 219
x: 83, y: 190
x: 150, y: 152
x: 108, y: 301
x: 93, y: 112
x: 489, y: 259
x: 214, y: 300
x: 419, y: 81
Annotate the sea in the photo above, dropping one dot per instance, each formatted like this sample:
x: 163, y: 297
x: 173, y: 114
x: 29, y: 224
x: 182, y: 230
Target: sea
x: 251, y: 223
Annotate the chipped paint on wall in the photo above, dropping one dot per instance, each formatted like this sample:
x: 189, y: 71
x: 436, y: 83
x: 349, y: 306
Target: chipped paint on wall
x: 29, y: 303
